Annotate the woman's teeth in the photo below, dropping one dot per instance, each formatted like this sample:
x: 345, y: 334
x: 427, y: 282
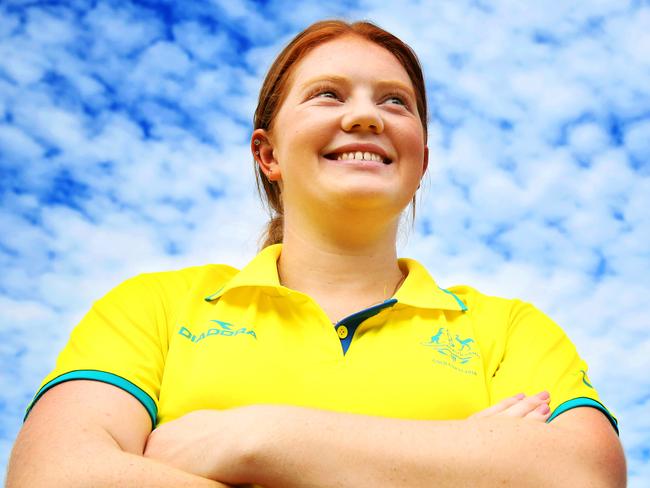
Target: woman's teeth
x: 361, y: 156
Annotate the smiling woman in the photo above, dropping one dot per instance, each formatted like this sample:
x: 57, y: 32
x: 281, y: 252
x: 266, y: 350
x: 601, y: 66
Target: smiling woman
x: 326, y: 349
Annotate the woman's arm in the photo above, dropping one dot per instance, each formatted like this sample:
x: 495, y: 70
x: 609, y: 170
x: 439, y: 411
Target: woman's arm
x: 316, y: 448
x: 292, y: 447
x: 87, y: 433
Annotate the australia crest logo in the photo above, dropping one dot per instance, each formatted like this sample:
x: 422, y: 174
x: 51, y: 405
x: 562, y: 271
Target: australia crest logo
x: 452, y: 346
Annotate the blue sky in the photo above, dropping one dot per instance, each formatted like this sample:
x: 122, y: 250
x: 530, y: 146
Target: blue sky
x: 124, y: 131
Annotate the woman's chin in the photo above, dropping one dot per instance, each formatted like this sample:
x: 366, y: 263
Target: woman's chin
x: 354, y: 194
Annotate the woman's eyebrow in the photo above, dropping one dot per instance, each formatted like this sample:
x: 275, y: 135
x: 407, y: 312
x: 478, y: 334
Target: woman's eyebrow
x: 344, y: 81
x: 321, y: 79
x: 396, y: 84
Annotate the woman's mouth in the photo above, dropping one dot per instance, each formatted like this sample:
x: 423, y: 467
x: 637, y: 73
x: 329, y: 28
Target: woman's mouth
x: 358, y: 156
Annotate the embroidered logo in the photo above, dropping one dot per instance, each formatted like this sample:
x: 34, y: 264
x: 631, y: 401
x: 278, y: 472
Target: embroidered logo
x: 224, y: 329
x: 455, y: 350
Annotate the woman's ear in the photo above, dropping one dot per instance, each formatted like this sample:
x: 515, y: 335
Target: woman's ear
x: 262, y: 149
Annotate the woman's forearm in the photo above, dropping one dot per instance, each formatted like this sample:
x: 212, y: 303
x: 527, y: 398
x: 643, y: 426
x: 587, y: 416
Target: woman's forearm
x: 90, y: 459
x: 315, y: 448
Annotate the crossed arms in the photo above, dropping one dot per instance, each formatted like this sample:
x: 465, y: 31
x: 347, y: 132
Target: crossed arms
x: 85, y: 433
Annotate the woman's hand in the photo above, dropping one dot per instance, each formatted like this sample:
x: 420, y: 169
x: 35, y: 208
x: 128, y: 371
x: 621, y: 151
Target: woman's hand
x: 534, y: 407
x: 208, y: 443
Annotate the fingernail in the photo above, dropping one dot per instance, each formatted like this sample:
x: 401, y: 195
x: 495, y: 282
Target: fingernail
x: 543, y: 395
x: 543, y: 409
x: 520, y: 396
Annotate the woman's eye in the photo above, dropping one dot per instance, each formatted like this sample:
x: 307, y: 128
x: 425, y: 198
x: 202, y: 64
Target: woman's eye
x: 399, y: 99
x: 326, y: 94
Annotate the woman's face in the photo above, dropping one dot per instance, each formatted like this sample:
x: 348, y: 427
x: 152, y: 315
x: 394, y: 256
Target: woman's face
x: 349, y: 131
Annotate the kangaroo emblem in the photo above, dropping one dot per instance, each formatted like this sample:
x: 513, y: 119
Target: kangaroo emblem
x: 452, y: 347
x: 435, y: 339
x: 464, y: 342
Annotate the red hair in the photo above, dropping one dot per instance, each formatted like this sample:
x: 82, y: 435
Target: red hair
x: 274, y: 90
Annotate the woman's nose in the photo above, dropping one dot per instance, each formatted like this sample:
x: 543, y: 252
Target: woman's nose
x: 361, y: 116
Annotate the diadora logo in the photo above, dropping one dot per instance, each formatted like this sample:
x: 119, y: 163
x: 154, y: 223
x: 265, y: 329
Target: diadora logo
x: 224, y: 329
x: 455, y: 348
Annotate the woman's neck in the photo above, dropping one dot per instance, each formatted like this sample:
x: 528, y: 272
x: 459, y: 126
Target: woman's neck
x: 345, y: 271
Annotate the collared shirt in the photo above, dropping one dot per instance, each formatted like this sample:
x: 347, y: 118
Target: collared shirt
x: 213, y: 337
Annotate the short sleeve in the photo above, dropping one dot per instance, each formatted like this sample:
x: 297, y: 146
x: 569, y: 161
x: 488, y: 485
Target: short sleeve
x: 538, y: 356
x: 121, y: 341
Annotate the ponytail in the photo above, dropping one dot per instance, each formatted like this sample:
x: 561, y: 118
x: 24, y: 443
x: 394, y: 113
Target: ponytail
x: 274, y: 232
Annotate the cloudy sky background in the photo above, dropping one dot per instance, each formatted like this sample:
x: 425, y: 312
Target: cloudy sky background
x: 124, y: 132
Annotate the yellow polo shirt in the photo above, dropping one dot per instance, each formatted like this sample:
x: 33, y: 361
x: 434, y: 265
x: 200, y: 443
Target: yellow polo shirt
x: 213, y: 337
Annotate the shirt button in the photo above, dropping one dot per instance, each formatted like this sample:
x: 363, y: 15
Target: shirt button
x: 342, y: 331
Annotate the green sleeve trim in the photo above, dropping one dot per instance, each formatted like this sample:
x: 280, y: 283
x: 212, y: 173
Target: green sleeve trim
x: 110, y: 378
x: 584, y: 402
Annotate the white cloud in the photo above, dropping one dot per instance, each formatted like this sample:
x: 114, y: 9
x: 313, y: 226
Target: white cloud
x: 123, y: 30
x: 25, y: 69
x: 9, y: 22
x: 637, y: 142
x: 14, y: 143
x: 234, y: 9
x: 587, y: 139
x: 56, y: 126
x: 203, y: 44
x: 48, y: 28
x: 633, y: 39
x: 161, y: 59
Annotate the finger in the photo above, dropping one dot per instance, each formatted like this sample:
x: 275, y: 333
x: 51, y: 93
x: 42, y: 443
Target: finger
x: 527, y: 405
x: 540, y: 414
x: 499, y: 407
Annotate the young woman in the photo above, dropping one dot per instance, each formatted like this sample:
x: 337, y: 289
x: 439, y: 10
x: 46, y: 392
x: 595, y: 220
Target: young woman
x: 326, y: 361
